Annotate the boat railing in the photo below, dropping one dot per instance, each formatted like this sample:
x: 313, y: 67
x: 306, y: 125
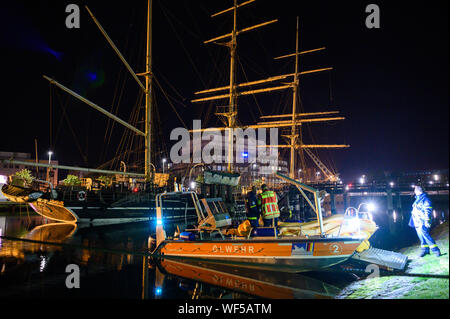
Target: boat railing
x: 316, y: 207
x: 160, y: 233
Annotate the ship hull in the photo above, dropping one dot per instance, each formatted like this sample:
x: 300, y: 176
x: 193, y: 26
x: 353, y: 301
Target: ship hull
x: 128, y: 214
x: 59, y: 211
x: 292, y: 255
x: 100, y: 207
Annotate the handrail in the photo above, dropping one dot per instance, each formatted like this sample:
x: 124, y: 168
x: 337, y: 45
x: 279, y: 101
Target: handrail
x: 316, y: 207
x: 160, y: 233
x: 83, y: 169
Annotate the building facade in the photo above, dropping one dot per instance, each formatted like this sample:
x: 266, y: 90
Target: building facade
x: 43, y: 173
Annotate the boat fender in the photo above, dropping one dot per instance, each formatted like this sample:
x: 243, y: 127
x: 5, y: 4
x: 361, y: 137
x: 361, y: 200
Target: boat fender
x: 81, y: 196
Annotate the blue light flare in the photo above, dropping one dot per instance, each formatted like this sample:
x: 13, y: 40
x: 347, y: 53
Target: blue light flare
x: 92, y: 76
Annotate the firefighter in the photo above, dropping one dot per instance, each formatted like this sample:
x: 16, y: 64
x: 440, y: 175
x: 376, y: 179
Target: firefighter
x: 268, y: 203
x: 421, y: 220
x: 252, y: 207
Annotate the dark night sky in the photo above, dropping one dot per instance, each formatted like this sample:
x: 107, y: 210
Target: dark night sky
x: 391, y: 84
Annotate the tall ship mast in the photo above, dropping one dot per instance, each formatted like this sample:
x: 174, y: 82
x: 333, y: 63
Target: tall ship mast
x: 295, y: 137
x: 292, y: 121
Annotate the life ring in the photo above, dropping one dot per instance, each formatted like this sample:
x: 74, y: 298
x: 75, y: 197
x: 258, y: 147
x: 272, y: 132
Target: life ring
x: 81, y: 196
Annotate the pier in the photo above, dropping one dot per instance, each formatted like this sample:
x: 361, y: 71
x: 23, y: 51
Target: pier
x: 387, y: 197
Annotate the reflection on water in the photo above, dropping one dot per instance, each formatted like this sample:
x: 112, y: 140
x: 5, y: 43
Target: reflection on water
x: 112, y: 265
x: 394, y: 232
x: 207, y: 280
x: 53, y: 232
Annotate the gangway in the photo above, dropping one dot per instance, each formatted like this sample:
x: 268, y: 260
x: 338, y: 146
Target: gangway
x: 388, y: 260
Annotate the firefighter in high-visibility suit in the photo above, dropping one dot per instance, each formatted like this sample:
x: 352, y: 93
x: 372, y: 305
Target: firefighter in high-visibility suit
x: 268, y: 202
x: 421, y: 221
x: 252, y: 207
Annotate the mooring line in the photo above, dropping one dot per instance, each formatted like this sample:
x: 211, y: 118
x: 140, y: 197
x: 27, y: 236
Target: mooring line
x: 389, y: 273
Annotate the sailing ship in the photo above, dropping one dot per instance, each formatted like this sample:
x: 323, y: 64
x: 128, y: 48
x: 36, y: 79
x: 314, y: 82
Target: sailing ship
x: 102, y: 206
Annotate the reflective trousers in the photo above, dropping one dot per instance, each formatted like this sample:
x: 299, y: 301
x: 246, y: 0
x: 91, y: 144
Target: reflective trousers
x: 253, y: 221
x: 425, y: 238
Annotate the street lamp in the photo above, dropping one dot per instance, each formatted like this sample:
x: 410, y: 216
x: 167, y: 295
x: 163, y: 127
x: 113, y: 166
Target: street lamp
x: 362, y: 179
x: 164, y: 161
x: 50, y: 153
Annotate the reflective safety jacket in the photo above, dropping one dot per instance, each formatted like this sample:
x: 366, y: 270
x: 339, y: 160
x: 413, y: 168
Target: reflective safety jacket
x: 269, y: 205
x: 421, y: 212
x: 252, y: 206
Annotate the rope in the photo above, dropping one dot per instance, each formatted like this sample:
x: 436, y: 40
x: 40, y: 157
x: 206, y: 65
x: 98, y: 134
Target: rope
x: 111, y: 124
x: 170, y: 103
x: 174, y: 89
x: 181, y: 43
x: 390, y: 273
x: 70, y: 127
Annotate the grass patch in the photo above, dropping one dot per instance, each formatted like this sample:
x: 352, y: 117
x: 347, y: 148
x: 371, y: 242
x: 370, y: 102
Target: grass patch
x: 400, y: 287
x: 429, y: 289
x: 367, y: 288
